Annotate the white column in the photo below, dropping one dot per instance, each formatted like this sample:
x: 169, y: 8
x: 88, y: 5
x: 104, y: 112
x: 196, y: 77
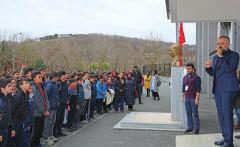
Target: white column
x: 178, y: 112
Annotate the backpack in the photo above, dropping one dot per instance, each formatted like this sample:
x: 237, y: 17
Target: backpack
x: 158, y: 82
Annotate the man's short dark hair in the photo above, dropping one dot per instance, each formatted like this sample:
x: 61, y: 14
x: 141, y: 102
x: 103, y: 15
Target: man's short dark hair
x: 35, y: 73
x: 4, y: 82
x: 100, y: 77
x: 79, y: 78
x: 225, y: 37
x: 26, y: 70
x: 191, y: 65
x: 21, y: 80
x: 52, y: 75
x: 72, y: 81
x: 60, y: 73
x: 92, y: 77
x: 41, y: 69
x: 72, y: 76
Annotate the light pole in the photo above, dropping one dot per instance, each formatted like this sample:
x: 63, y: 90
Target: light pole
x: 13, y: 51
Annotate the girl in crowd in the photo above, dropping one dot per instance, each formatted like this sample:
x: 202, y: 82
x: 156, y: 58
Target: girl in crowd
x: 101, y: 93
x: 147, y: 82
x: 119, y: 93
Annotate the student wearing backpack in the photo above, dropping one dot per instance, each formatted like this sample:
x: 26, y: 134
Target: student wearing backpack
x: 52, y: 93
x: 155, y: 84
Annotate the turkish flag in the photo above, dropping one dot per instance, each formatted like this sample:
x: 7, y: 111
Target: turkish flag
x: 181, y: 40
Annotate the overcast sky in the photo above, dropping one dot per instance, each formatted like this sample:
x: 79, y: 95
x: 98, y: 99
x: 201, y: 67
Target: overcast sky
x: 133, y: 18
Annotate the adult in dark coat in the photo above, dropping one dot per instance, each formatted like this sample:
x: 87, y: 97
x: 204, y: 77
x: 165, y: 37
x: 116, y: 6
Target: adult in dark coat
x: 225, y: 86
x: 130, y: 90
x: 138, y: 78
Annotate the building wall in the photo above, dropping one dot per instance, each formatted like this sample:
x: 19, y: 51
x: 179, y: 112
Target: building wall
x: 206, y: 37
x: 237, y: 39
x: 204, y: 10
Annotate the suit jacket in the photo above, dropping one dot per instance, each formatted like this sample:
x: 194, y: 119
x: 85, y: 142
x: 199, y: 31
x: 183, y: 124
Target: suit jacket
x: 224, y: 76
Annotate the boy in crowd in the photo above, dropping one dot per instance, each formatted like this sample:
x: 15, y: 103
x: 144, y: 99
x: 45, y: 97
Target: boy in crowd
x: 5, y: 113
x: 15, y: 75
x: 53, y: 97
x: 101, y: 93
x: 41, y: 109
x: 63, y: 100
x: 81, y: 97
x: 27, y: 73
x: 93, y: 97
x: 19, y: 104
x: 73, y: 101
x: 87, y: 94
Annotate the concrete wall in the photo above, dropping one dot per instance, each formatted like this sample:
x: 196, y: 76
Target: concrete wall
x: 206, y: 39
x: 204, y: 10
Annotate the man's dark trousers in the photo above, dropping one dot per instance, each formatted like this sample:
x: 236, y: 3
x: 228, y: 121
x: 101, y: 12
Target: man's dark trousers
x: 225, y: 103
x: 59, y: 119
x: 139, y: 92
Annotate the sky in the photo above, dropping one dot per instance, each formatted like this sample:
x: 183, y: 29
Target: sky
x: 131, y: 18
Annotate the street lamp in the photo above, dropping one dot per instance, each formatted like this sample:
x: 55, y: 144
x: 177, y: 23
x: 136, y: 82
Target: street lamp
x: 13, y: 51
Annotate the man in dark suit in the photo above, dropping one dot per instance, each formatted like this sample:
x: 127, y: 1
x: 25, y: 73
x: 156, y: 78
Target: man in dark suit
x: 225, y: 86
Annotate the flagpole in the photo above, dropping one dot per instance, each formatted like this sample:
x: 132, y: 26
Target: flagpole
x: 181, y: 51
x: 177, y: 32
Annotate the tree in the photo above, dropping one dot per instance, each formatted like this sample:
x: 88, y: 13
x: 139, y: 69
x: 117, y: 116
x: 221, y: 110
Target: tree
x: 105, y: 66
x: 38, y: 64
x: 93, y: 66
x: 5, y: 56
x: 25, y: 54
x: 90, y: 52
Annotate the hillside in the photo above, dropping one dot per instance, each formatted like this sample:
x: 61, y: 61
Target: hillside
x: 77, y: 52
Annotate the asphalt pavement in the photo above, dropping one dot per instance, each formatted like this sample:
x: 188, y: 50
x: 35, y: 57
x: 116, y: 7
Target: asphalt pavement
x: 102, y: 134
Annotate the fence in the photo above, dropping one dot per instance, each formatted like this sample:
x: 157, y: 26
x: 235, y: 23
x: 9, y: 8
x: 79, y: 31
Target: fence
x: 163, y: 69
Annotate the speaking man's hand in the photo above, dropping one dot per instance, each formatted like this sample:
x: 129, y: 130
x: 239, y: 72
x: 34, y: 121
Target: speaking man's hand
x: 208, y: 63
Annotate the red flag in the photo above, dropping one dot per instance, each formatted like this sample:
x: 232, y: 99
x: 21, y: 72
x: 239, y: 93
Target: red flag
x: 181, y: 40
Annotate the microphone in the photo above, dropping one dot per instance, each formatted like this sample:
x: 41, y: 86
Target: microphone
x: 213, y: 52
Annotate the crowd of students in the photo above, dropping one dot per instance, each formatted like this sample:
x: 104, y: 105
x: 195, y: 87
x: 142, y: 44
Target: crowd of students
x: 35, y: 105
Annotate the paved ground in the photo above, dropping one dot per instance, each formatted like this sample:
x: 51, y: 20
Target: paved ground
x: 102, y: 134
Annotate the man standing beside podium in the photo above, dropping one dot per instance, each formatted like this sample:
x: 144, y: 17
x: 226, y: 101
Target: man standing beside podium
x: 225, y: 86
